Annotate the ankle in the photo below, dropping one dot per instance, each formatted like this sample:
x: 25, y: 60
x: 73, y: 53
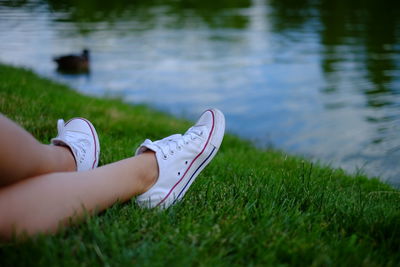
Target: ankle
x: 62, y: 157
x: 68, y: 158
x: 150, y: 173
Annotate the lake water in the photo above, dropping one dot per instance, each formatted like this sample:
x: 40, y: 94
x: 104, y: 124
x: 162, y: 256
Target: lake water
x: 314, y: 78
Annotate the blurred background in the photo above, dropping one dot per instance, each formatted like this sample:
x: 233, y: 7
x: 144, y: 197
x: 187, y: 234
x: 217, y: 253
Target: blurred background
x: 317, y: 78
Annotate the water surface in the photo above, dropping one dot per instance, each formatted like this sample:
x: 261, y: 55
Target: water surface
x: 314, y: 78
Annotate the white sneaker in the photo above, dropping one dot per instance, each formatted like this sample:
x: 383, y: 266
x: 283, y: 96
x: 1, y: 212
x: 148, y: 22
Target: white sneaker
x: 79, y: 135
x: 181, y: 158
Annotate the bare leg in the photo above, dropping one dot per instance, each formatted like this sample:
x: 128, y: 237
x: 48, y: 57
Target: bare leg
x: 43, y: 203
x: 22, y: 156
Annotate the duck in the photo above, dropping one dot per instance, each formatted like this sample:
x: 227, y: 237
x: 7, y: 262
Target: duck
x: 73, y: 63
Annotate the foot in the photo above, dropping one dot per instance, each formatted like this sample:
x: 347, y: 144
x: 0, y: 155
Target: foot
x: 181, y: 158
x: 81, y: 138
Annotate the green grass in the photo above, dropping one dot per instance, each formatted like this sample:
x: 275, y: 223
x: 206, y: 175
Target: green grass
x: 248, y: 207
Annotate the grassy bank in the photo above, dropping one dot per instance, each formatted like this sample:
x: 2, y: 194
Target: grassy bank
x: 249, y: 207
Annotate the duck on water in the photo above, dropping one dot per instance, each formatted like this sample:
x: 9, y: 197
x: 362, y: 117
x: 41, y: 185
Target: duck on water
x: 73, y: 63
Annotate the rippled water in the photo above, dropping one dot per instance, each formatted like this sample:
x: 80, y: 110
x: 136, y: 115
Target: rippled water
x: 315, y: 78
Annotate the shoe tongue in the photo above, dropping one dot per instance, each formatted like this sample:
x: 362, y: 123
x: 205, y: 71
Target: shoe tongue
x: 173, y: 137
x: 197, y: 130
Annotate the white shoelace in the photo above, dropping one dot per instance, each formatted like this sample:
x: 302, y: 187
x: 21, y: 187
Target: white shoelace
x: 173, y: 143
x: 77, y: 141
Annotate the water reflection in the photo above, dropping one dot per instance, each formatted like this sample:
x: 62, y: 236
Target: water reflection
x: 180, y: 13
x: 314, y: 77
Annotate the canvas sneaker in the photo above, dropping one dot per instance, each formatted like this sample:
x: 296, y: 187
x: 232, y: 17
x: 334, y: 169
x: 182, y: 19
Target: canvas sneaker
x: 79, y: 135
x: 181, y: 158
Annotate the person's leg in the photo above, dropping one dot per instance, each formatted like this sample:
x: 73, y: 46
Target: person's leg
x: 22, y: 156
x: 160, y: 174
x: 43, y: 203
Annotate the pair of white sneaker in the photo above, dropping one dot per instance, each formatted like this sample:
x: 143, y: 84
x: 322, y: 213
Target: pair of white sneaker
x: 180, y: 158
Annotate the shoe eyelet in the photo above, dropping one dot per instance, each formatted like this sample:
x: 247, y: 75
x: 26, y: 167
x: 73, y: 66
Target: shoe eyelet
x: 171, y: 152
x: 179, y: 148
x: 179, y: 173
x: 165, y: 157
x: 186, y: 143
x: 201, y: 133
x: 186, y: 162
